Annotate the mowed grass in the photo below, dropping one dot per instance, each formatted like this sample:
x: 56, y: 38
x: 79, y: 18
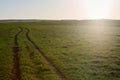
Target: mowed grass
x: 81, y: 51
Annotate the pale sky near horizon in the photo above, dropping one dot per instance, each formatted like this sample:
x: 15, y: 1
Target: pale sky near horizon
x: 60, y: 9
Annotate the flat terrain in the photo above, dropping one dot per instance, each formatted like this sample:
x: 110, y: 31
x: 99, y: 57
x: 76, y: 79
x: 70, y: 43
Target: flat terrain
x: 60, y: 50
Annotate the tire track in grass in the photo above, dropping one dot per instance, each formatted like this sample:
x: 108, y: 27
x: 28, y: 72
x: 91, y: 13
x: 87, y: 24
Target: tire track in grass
x: 16, y: 73
x: 31, y: 55
x: 48, y: 61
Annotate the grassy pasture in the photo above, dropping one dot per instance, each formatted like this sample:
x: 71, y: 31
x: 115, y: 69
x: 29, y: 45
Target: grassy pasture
x: 81, y: 50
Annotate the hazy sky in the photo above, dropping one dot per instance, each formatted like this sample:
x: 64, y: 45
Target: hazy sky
x: 59, y: 9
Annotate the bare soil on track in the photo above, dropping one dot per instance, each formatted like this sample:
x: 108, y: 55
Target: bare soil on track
x: 16, y: 73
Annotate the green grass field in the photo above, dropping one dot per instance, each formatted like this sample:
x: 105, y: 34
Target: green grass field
x: 60, y: 50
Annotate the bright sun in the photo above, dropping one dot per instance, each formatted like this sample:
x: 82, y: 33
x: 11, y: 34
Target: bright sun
x: 97, y: 9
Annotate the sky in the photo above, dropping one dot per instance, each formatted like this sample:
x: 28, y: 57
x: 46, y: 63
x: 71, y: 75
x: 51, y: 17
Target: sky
x: 60, y: 9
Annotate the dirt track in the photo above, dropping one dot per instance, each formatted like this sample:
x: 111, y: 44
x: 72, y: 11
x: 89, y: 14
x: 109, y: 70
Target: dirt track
x: 16, y: 73
x: 48, y: 61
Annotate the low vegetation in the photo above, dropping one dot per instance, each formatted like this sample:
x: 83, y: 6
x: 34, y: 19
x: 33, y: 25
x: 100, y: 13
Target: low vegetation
x: 61, y: 50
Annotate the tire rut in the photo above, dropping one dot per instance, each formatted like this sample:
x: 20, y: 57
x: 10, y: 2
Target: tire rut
x: 48, y: 61
x: 16, y: 73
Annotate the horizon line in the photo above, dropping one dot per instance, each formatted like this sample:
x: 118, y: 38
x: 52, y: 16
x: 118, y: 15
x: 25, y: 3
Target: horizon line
x: 54, y: 19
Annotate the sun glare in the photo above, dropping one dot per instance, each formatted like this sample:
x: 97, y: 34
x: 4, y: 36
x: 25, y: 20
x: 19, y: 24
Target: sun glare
x: 97, y: 9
